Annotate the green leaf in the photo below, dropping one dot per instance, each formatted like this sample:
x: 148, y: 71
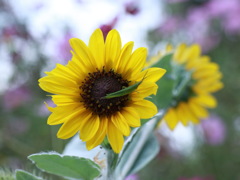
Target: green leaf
x: 24, y: 175
x: 67, y: 166
x: 148, y: 152
x: 166, y: 84
x: 164, y: 62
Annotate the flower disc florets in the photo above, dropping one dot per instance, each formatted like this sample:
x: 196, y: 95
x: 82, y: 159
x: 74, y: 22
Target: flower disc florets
x: 97, y: 85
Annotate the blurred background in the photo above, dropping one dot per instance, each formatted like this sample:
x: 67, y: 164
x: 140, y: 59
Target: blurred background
x: 34, y: 37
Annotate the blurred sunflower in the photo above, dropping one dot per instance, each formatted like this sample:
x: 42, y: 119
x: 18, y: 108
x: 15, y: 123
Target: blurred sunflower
x: 199, y: 78
x: 80, y: 87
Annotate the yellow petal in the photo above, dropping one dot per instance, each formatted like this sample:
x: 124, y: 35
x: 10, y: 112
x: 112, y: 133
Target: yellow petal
x: 190, y: 116
x: 207, y: 71
x: 112, y: 48
x: 49, y: 107
x: 65, y: 71
x: 59, y: 80
x: 71, y: 126
x: 123, y: 60
x: 62, y: 100
x: 56, y: 88
x: 179, y: 51
x: 100, y: 134
x: 151, y: 74
x: 168, y: 48
x: 190, y: 54
x: 120, y: 122
x: 207, y: 81
x: 89, y: 128
x: 79, y: 70
x: 145, y: 89
x: 115, y: 137
x: 131, y: 116
x: 206, y: 100
x: 60, y: 114
x: 193, y: 63
x: 215, y: 87
x: 97, y: 48
x: 197, y: 109
x: 145, y: 109
x: 136, y: 63
x: 171, y: 118
x: 181, y: 114
x: 209, y: 89
x: 83, y: 54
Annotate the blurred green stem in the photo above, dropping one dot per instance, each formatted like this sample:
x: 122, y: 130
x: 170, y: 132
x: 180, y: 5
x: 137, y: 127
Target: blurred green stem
x: 149, y: 127
x: 112, y: 159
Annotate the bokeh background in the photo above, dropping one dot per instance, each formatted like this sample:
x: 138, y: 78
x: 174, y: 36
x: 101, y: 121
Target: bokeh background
x: 34, y: 37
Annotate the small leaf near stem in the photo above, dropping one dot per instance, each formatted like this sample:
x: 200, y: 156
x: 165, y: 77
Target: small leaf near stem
x: 124, y: 91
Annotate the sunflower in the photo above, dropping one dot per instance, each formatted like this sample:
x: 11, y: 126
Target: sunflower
x: 204, y: 79
x: 80, y: 87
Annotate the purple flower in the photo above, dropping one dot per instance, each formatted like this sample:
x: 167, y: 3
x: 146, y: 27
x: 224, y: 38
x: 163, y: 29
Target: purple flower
x: 176, y: 1
x: 222, y: 7
x: 64, y: 47
x: 171, y: 24
x: 231, y: 22
x: 132, y: 8
x: 108, y: 27
x: 214, y: 130
x: 14, y: 98
x: 207, y: 42
x: 132, y: 177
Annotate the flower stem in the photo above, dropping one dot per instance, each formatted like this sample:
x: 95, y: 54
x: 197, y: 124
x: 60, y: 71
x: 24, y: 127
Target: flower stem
x: 148, y: 129
x: 112, y: 159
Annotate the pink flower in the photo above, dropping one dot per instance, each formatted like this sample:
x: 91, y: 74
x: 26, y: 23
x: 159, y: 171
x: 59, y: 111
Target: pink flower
x: 214, y: 130
x: 132, y: 177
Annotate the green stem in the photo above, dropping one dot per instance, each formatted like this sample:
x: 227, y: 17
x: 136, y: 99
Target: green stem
x: 148, y: 129
x: 112, y: 159
x: 178, y: 91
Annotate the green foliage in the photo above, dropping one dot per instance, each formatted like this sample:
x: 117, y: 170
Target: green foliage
x: 165, y: 84
x: 67, y: 166
x: 145, y: 154
x: 6, y: 174
x: 23, y: 175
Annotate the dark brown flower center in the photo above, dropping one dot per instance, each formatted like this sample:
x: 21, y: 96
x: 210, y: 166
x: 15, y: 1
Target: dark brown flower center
x: 97, y: 85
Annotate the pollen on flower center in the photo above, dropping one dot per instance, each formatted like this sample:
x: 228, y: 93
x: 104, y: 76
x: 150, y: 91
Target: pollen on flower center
x: 97, y: 85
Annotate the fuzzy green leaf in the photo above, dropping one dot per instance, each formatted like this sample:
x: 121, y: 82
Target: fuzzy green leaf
x: 147, y: 153
x: 66, y: 166
x: 24, y: 175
